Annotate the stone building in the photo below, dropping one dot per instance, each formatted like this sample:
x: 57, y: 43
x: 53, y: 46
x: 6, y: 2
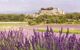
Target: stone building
x: 48, y: 11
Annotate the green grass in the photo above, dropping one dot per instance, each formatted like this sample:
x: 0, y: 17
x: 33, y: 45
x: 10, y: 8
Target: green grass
x: 12, y: 23
x: 64, y: 31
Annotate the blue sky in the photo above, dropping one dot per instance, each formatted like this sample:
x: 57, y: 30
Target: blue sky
x: 27, y: 6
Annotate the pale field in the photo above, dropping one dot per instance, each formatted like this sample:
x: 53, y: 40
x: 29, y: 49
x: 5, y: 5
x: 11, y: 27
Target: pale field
x: 28, y: 30
x: 13, y: 25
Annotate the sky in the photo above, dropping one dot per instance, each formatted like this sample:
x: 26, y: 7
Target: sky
x: 29, y: 6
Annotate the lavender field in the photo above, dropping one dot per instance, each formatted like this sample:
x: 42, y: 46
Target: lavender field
x: 28, y: 38
x: 39, y: 24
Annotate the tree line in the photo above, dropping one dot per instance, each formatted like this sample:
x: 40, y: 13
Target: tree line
x: 69, y: 18
x: 11, y: 17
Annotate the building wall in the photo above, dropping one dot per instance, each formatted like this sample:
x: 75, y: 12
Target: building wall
x: 54, y: 11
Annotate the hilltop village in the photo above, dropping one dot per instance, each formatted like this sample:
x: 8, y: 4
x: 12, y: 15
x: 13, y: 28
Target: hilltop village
x: 48, y: 11
x: 48, y: 15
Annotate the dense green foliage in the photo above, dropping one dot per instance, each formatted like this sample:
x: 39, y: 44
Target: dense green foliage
x: 11, y: 17
x: 69, y: 18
